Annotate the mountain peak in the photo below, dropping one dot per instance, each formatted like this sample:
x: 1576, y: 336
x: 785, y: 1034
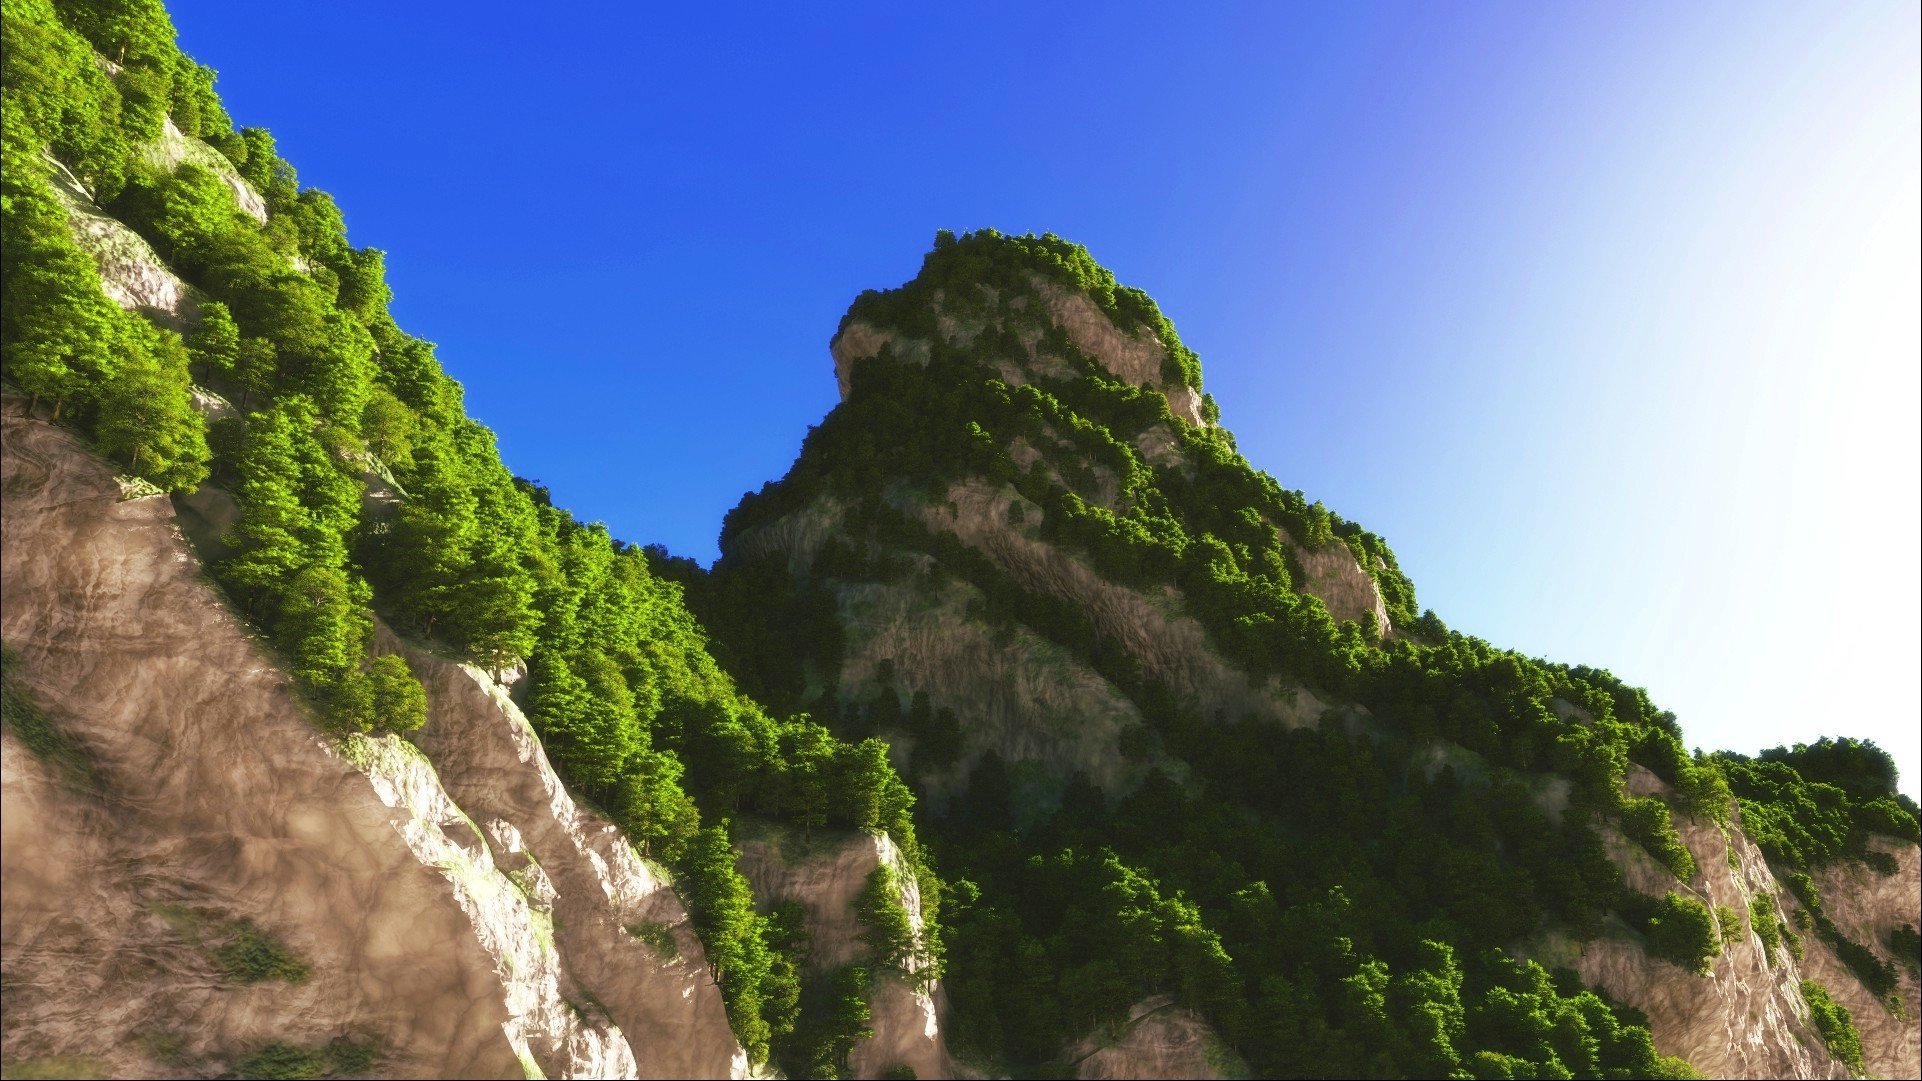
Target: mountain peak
x: 1032, y: 308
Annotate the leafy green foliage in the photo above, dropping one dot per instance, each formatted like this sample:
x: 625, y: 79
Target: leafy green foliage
x: 1683, y: 930
x: 214, y: 343
x: 886, y: 928
x: 1388, y: 870
x: 340, y: 1057
x: 1646, y: 821
x: 1767, y: 924
x: 1875, y: 973
x: 399, y: 701
x: 658, y: 936
x: 834, y: 1020
x: 1728, y: 924
x: 251, y: 955
x: 1461, y: 858
x: 1813, y: 804
x: 1833, y: 1021
x: 1906, y: 945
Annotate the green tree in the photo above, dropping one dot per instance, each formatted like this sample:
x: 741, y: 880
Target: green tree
x: 1683, y: 931
x: 147, y: 413
x: 388, y: 427
x: 886, y: 928
x: 59, y: 334
x: 399, y: 701
x: 256, y: 370
x: 323, y: 625
x: 722, y: 905
x: 214, y: 344
x: 268, y: 536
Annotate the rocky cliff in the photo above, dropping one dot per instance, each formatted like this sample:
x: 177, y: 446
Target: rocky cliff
x: 825, y: 876
x: 960, y: 585
x: 1747, y: 1016
x: 451, y: 917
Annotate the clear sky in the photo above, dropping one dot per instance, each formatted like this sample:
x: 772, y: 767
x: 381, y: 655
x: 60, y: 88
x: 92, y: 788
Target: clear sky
x: 1605, y: 315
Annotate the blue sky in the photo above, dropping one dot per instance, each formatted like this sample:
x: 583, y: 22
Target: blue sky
x: 1604, y: 315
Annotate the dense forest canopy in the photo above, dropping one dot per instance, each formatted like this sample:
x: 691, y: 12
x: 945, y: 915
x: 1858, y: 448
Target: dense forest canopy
x: 1320, y: 894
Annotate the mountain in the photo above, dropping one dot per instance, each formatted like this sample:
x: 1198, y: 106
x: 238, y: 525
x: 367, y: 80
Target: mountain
x: 1023, y: 728
x: 1185, y: 734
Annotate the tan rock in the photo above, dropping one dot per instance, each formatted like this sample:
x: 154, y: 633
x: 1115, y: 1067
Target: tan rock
x: 174, y: 149
x: 1748, y: 1018
x: 221, y: 796
x: 1159, y: 1040
x: 460, y: 949
x: 825, y: 879
x: 668, y: 1008
x: 1345, y: 589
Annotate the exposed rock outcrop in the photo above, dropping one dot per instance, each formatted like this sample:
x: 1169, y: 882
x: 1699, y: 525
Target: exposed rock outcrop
x: 1170, y: 647
x: 1747, y: 1018
x: 668, y: 1008
x: 511, y: 920
x: 1348, y: 592
x: 1866, y: 906
x: 1136, y: 359
x: 454, y: 948
x: 174, y: 149
x: 1159, y: 1040
x: 221, y: 799
x: 131, y: 272
x: 825, y: 879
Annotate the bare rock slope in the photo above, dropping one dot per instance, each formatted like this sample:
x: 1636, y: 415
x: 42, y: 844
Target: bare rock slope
x: 426, y: 930
x: 1747, y: 1017
x: 825, y: 879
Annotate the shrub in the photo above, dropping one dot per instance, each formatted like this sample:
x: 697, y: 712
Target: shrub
x: 1683, y: 931
x: 1766, y: 924
x: 251, y: 955
x: 1647, y: 822
x: 1906, y: 945
x: 658, y: 936
x: 1833, y: 1021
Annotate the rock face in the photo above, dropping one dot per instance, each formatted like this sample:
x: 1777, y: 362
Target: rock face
x: 221, y: 799
x: 424, y: 934
x: 668, y: 1008
x: 1016, y: 694
x: 1866, y: 906
x: 174, y: 149
x: 1349, y: 592
x: 825, y: 879
x: 131, y: 273
x: 1135, y: 359
x: 1747, y: 1018
x: 1159, y: 1039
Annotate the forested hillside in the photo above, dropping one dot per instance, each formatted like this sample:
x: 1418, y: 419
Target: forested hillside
x: 1146, y: 726
x: 365, y: 490
x: 1342, y: 864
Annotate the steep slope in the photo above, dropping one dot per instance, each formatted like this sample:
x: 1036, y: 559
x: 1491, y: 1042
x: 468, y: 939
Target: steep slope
x: 1099, y: 642
x: 581, y: 871
x: 186, y: 308
x: 217, y: 802
x: 826, y: 878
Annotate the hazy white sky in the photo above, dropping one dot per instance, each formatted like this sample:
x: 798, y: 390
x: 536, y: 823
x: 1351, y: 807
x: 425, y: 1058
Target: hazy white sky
x: 1718, y: 359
